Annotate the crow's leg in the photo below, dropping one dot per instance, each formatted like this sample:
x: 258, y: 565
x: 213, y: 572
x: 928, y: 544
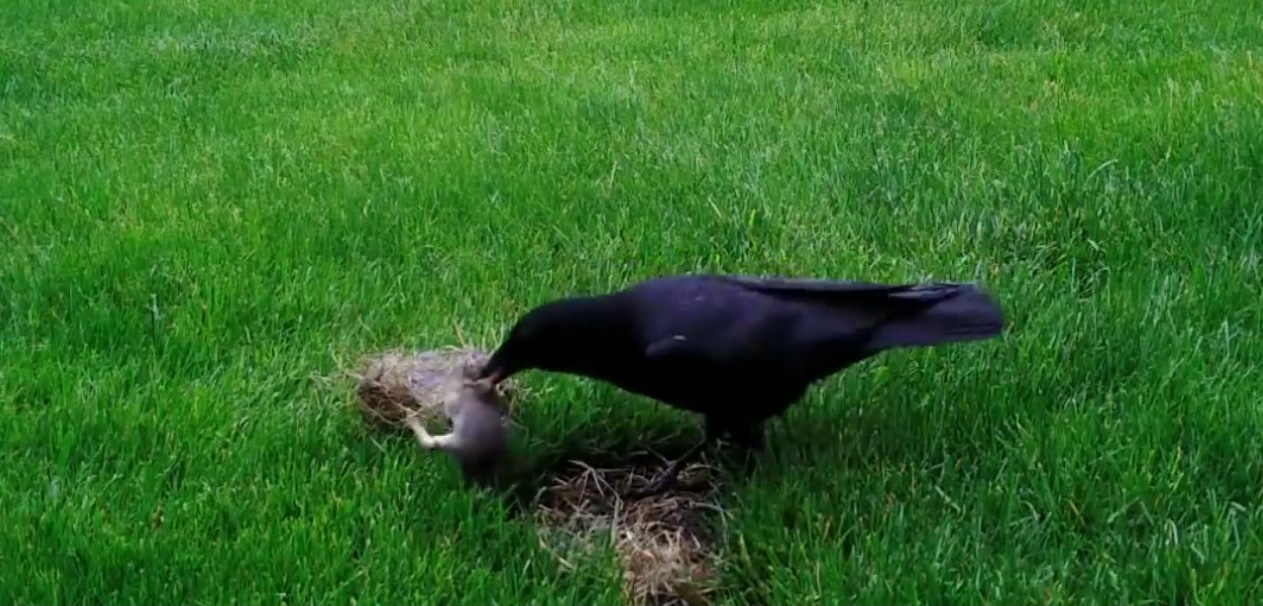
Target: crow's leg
x: 747, y: 436
x: 748, y: 440
x: 671, y: 475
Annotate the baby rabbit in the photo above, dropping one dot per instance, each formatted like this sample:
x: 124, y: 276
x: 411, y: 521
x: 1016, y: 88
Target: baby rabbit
x: 479, y: 437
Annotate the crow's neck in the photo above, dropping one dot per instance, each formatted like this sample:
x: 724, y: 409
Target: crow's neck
x: 599, y: 335
x: 597, y: 319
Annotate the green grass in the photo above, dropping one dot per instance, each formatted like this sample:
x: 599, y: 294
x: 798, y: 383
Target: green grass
x: 207, y: 205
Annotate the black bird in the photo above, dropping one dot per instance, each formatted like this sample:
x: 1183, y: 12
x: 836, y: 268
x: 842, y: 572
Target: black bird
x: 738, y: 350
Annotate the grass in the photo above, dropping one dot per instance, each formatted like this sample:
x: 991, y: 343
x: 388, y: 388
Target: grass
x: 208, y: 205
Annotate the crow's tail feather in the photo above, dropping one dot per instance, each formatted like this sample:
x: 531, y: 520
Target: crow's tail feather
x: 951, y: 313
x: 901, y: 315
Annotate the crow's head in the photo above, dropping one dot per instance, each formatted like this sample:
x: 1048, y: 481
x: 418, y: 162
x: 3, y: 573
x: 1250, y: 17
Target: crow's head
x: 555, y: 336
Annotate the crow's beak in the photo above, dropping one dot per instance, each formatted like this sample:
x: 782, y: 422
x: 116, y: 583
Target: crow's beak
x: 494, y: 378
x: 491, y: 374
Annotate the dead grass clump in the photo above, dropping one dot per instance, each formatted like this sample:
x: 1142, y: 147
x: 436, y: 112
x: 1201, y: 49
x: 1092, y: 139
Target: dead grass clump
x: 393, y: 384
x: 661, y: 541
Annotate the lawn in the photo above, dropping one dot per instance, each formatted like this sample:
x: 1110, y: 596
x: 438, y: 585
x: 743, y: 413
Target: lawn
x: 210, y: 207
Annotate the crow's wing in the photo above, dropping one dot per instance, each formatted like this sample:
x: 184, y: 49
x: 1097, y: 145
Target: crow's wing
x: 700, y: 320
x: 845, y: 292
x: 893, y: 315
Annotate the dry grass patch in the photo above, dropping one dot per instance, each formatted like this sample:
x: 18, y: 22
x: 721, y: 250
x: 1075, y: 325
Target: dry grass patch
x: 662, y: 542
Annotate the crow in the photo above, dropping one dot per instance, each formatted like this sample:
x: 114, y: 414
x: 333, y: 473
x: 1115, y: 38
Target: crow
x: 738, y: 350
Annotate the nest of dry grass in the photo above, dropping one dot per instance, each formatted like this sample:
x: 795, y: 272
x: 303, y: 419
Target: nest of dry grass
x: 661, y: 541
x: 394, y: 384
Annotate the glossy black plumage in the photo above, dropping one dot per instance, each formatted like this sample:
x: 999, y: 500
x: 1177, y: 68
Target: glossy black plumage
x: 737, y: 350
